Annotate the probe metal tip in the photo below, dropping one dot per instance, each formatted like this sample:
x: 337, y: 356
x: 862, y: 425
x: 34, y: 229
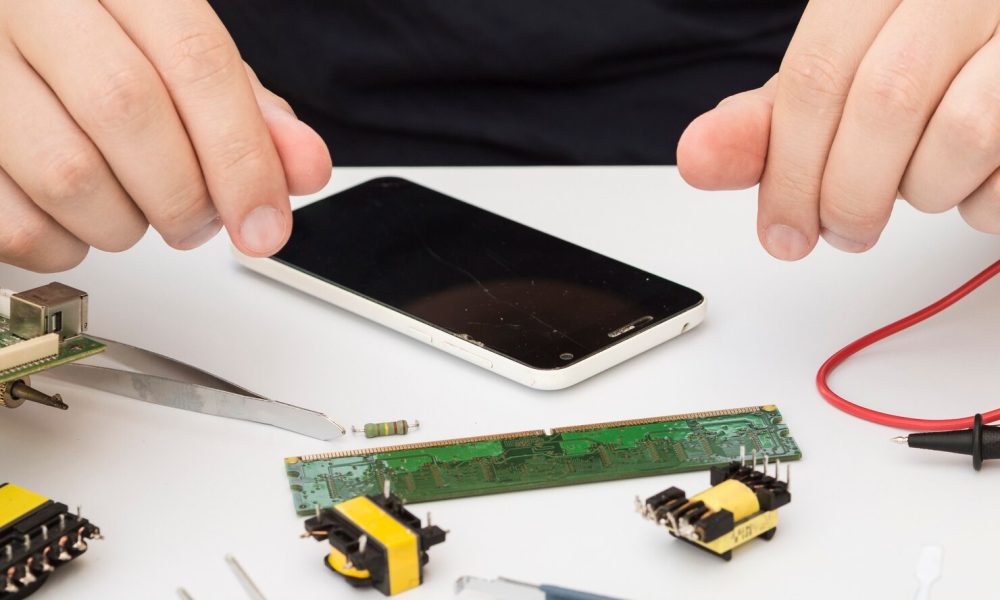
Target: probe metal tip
x: 901, y: 439
x: 22, y: 391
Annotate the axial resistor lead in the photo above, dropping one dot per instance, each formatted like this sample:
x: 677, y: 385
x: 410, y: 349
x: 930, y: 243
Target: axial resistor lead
x: 372, y: 430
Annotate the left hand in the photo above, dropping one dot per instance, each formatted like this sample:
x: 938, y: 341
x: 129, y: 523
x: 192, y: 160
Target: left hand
x: 874, y: 100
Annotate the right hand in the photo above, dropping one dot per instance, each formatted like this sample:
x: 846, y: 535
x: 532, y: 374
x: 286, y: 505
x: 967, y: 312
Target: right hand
x: 120, y: 114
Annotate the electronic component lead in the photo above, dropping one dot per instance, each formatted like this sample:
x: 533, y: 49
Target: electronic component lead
x: 740, y: 506
x: 375, y: 542
x: 372, y: 430
x: 37, y: 536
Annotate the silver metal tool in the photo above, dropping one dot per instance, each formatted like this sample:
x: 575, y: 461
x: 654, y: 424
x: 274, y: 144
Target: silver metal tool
x: 158, y: 379
x: 502, y: 588
x: 253, y: 592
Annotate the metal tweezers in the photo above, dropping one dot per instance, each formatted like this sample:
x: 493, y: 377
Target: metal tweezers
x: 158, y: 379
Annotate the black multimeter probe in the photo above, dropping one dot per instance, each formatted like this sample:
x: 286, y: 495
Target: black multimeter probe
x: 982, y: 441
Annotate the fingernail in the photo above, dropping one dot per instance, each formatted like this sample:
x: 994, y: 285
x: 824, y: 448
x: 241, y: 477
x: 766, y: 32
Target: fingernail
x: 786, y: 243
x: 844, y: 244
x: 201, y: 236
x: 263, y: 230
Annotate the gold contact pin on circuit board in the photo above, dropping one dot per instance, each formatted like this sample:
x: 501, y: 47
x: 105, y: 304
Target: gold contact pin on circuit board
x: 533, y: 432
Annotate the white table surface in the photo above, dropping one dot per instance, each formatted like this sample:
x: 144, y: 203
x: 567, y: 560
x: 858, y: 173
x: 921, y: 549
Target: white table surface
x: 175, y: 491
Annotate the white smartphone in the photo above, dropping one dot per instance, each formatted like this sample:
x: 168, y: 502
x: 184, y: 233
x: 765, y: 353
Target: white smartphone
x: 509, y: 298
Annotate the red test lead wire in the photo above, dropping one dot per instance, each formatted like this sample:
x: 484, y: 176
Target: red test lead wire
x: 895, y: 420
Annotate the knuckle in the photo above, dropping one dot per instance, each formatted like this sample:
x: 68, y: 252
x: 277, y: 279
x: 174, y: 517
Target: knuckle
x: 184, y: 209
x: 853, y: 217
x: 814, y: 77
x: 892, y: 92
x: 27, y: 242
x: 22, y: 238
x: 203, y: 56
x: 70, y: 175
x: 125, y: 98
x: 975, y: 126
x: 241, y: 155
x: 794, y: 183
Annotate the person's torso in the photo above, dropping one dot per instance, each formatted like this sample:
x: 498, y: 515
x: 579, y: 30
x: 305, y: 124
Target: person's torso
x: 512, y: 82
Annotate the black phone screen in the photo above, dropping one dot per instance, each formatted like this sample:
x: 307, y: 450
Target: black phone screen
x: 524, y: 294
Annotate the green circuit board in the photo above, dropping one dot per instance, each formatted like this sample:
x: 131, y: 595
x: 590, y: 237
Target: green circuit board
x: 535, y: 459
x: 70, y: 350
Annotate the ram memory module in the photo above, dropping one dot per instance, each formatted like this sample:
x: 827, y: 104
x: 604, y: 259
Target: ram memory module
x: 530, y: 460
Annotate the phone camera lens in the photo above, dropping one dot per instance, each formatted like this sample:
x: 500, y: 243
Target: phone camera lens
x: 566, y: 356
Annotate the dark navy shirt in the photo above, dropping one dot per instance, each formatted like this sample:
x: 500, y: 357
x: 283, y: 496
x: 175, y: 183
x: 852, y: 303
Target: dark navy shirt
x: 471, y: 82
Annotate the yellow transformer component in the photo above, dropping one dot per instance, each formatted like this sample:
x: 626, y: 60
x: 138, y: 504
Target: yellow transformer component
x: 37, y: 537
x: 741, y: 505
x: 375, y: 542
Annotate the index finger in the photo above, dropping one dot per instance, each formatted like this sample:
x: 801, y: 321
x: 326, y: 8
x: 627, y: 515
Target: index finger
x: 813, y: 84
x: 205, y: 77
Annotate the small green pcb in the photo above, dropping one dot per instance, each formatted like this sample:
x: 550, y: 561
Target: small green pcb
x: 70, y: 350
x: 535, y: 459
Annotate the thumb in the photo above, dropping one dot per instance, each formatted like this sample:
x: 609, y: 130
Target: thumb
x: 725, y: 148
x: 303, y: 153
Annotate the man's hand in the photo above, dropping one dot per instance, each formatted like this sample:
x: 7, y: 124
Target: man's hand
x: 874, y: 99
x: 118, y: 114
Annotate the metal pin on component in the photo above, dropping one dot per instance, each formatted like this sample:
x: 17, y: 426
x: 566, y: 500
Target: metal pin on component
x: 743, y: 456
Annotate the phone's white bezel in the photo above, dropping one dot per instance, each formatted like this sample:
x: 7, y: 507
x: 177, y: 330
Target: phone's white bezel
x: 542, y: 379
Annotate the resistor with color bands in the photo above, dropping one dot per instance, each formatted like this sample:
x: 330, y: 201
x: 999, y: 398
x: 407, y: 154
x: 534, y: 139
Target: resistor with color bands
x: 372, y: 430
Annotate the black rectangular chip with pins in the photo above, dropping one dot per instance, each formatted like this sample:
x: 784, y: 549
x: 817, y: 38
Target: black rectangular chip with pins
x: 37, y: 536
